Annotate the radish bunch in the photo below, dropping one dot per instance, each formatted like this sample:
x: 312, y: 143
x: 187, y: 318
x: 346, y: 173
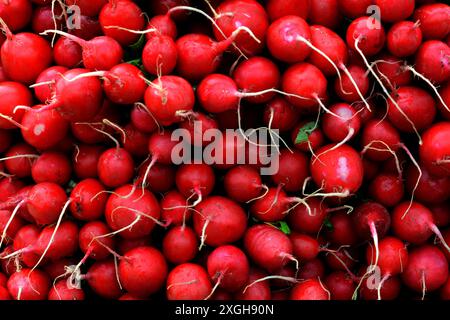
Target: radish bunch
x: 94, y: 201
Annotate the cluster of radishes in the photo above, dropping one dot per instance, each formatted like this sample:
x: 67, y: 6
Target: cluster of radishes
x: 91, y: 204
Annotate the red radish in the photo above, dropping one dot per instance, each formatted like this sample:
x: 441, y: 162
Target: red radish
x: 161, y: 177
x: 392, y: 71
x: 371, y: 220
x: 392, y: 257
x: 395, y: 11
x: 90, y: 245
x: 414, y: 223
x: 159, y: 56
x: 310, y: 290
x: 46, y: 82
x: 427, y: 269
x: 342, y: 231
x: 9, y: 225
x: 61, y: 291
x: 404, y: 38
x: 313, y: 269
x: 445, y: 291
x: 444, y: 92
x: 142, y: 119
x: 25, y: 239
x: 67, y: 53
x: 426, y: 187
x: 218, y: 93
x: 345, y: 88
x: 24, y: 56
x: 142, y: 271
x: 4, y: 294
x: 256, y: 289
x: 432, y: 61
x: 174, y: 208
x: 387, y: 189
x: 232, y: 14
x: 43, y: 129
x: 19, y: 160
x: 198, y: 124
x: 292, y: 172
x: 77, y: 99
x: 272, y: 206
x: 180, y: 245
x: 280, y: 8
x: 305, y: 248
x: 435, y: 150
x: 441, y: 214
x: 308, y: 219
x: 125, y: 245
x: 379, y: 140
x: 29, y: 284
x: 268, y: 247
x: 340, y: 285
x: 132, y: 212
x: 117, y: 17
x: 47, y: 18
x: 228, y: 267
x: 17, y: 14
x: 433, y: 20
x: 56, y: 242
x: 188, y: 281
x: 89, y: 28
x: 58, y: 268
x: 51, y: 167
x: 305, y: 85
x: 306, y: 137
x: 338, y: 171
x: 102, y: 278
x: 342, y: 124
x: 195, y: 179
x: 88, y: 7
x: 136, y: 141
x: 389, y: 290
x: 325, y: 13
x: 280, y: 114
x: 9, y: 187
x: 168, y: 97
x: 243, y: 183
x: 115, y: 167
x: 354, y: 8
x: 45, y: 202
x: 164, y: 25
x: 85, y: 161
x: 14, y: 94
x: 5, y: 140
x: 364, y: 35
x: 219, y: 221
x: 286, y: 39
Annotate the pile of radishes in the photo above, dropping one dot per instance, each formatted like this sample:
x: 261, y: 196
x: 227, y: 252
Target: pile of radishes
x: 357, y: 93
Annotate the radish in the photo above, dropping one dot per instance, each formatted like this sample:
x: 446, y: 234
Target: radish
x: 142, y: 119
x: 340, y: 285
x: 88, y: 7
x: 311, y: 270
x: 433, y: 19
x: 45, y: 17
x: 354, y: 8
x: 33, y: 52
x: 389, y: 290
x: 426, y: 187
x: 268, y: 247
x: 58, y: 268
x: 142, y: 271
x: 4, y: 294
x: 257, y: 288
x: 280, y: 114
x: 371, y: 220
x: 232, y: 14
x: 310, y: 290
x: 180, y: 244
x: 198, y: 125
x: 29, y: 285
x: 435, y: 150
x: 174, y: 209
x: 115, y: 167
x: 404, y: 38
x: 444, y: 92
x: 445, y: 291
x: 342, y: 124
x: 46, y: 83
x: 337, y: 170
x: 131, y: 212
x: 195, y: 179
x: 306, y: 136
x: 243, y: 183
x: 160, y: 54
x: 441, y: 215
x: 161, y: 178
x: 136, y: 141
x: 26, y: 237
x: 325, y: 13
x: 380, y: 140
x: 292, y: 171
x: 164, y: 25
x: 61, y: 291
x: 281, y: 8
x: 345, y: 87
x: 188, y: 281
x: 414, y: 223
x: 308, y: 219
x: 85, y: 161
x: 9, y: 225
x: 362, y: 35
x: 395, y: 11
x: 432, y: 61
x: 168, y: 97
x: 427, y: 269
x: 392, y: 71
x: 45, y: 202
x: 125, y: 245
x: 89, y: 28
x: 228, y: 267
x: 13, y: 94
x: 67, y: 53
x: 19, y: 160
x: 51, y: 167
x: 272, y: 206
x: 287, y: 37
x: 90, y: 245
x: 103, y: 280
x: 17, y: 14
x: 118, y: 15
x: 304, y: 247
x: 88, y: 200
x: 43, y: 129
x: 387, y: 189
x: 342, y: 231
x: 6, y: 139
x: 9, y: 187
x: 219, y: 221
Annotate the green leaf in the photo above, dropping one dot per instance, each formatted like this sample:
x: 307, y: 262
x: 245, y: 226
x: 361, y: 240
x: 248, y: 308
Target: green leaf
x: 136, y: 63
x: 284, y: 227
x: 138, y: 45
x: 304, y: 132
x: 327, y: 223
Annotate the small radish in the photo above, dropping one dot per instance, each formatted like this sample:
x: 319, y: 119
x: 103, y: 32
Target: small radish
x: 280, y: 8
x: 142, y: 119
x: 342, y: 231
x: 389, y: 290
x: 268, y: 247
x: 195, y: 179
x: 26, y: 237
x: 379, y: 140
x: 427, y: 269
x: 362, y: 35
x: 67, y: 53
x: 47, y: 18
x: 308, y: 219
x: 61, y: 291
x: 89, y: 28
x: 426, y: 187
x: 219, y: 221
x: 292, y: 170
x: 51, y: 167
x: 19, y: 160
x: 92, y: 246
x: 198, y: 125
x: 228, y: 267
x: 444, y: 92
x: 340, y: 285
x: 188, y: 281
x: 180, y: 244
x: 371, y: 220
x: 45, y: 83
x: 174, y: 208
x: 354, y: 8
x: 392, y: 71
x: 243, y: 183
x: 29, y: 284
x: 345, y: 87
x: 116, y: 16
x: 342, y: 124
x: 257, y: 288
x: 88, y: 7
x: 164, y: 24
x: 132, y: 212
x: 280, y: 114
x: 45, y: 202
x: 310, y: 290
x: 159, y: 56
x: 115, y: 167
x: 435, y: 150
x: 125, y: 245
x: 85, y: 160
x: 9, y: 225
x: 136, y: 141
x: 432, y: 61
x: 33, y: 52
x: 13, y: 94
x: 404, y: 38
x: 313, y: 269
x: 304, y: 247
x: 102, y: 279
x: 143, y: 271
x: 306, y: 136
x: 325, y: 13
x: 17, y: 14
x: 394, y: 11
x: 387, y: 189
x: 272, y: 206
x: 433, y: 19
x: 161, y: 177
